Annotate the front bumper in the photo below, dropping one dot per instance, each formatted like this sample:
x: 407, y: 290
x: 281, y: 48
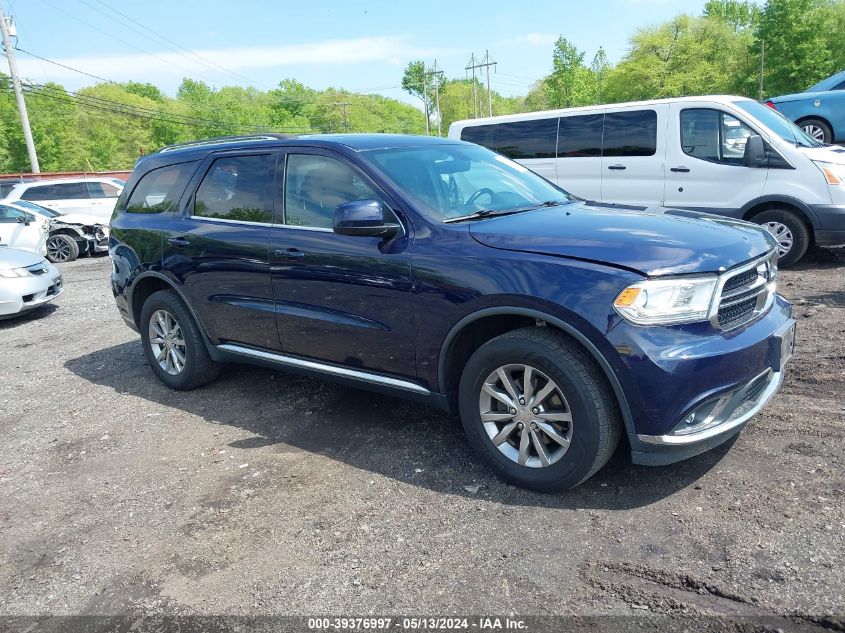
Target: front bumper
x: 831, y: 231
x: 24, y: 294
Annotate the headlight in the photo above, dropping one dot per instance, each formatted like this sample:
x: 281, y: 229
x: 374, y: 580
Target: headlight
x: 10, y: 273
x: 833, y: 173
x: 667, y: 301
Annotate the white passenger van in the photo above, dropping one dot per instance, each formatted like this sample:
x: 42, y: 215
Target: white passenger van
x: 718, y: 154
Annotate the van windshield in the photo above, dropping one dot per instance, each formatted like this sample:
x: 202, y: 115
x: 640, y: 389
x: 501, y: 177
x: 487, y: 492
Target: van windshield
x: 452, y: 181
x: 778, y: 123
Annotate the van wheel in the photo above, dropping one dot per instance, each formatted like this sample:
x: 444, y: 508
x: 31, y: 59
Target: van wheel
x: 818, y: 130
x: 173, y: 344
x: 61, y: 248
x: 790, y: 232
x: 538, y: 409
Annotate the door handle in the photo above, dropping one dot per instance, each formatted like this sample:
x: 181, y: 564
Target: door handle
x: 681, y: 169
x: 289, y: 253
x: 616, y: 167
x: 178, y: 242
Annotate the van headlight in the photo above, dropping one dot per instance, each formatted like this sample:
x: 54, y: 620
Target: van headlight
x: 833, y: 172
x: 667, y: 301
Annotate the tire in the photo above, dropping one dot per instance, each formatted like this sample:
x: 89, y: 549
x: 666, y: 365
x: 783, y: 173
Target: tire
x: 196, y: 367
x: 789, y: 230
x: 583, y: 394
x: 817, y: 129
x: 61, y: 248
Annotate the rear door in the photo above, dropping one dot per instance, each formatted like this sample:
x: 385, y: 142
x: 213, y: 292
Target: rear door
x: 704, y: 161
x: 579, y: 164
x: 633, y: 150
x: 218, y: 248
x: 103, y: 196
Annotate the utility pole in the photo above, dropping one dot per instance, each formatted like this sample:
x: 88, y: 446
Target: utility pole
x: 436, y: 74
x: 344, y: 105
x: 762, y: 65
x: 472, y: 66
x: 425, y: 100
x: 16, y: 82
x: 484, y: 63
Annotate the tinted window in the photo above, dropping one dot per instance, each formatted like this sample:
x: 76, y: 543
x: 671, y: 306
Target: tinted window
x: 580, y: 135
x: 315, y: 185
x: 519, y: 139
x: 69, y: 191
x: 238, y: 188
x: 40, y: 192
x: 713, y: 135
x: 102, y: 190
x: 630, y: 133
x: 159, y: 189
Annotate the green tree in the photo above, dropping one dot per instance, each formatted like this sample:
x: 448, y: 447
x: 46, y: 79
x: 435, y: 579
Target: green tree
x: 737, y: 14
x: 570, y: 79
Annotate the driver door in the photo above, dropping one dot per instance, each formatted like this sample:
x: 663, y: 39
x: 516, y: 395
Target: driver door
x: 339, y: 298
x: 18, y: 230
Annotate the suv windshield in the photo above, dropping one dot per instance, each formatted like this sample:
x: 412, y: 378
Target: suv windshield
x: 778, y: 123
x: 452, y: 181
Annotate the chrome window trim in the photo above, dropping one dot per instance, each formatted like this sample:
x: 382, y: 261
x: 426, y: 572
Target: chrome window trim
x: 345, y: 372
x: 228, y: 221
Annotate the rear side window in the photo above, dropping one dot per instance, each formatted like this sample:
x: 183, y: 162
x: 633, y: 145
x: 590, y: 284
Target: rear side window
x: 69, y: 191
x: 237, y: 188
x: 580, y: 136
x: 159, y: 189
x: 630, y: 133
x: 102, y: 190
x: 40, y: 192
x: 519, y: 140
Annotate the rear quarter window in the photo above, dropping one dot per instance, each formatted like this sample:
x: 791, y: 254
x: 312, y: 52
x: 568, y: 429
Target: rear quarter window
x: 536, y: 138
x: 159, y: 189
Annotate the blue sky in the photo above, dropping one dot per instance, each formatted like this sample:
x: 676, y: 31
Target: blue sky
x: 360, y: 45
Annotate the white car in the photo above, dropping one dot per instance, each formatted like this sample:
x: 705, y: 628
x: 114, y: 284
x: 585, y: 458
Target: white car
x: 70, y: 233
x: 27, y: 281
x: 24, y: 230
x: 90, y: 196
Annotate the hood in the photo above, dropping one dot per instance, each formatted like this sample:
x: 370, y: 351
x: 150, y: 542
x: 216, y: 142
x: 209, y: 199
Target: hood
x: 80, y: 218
x: 649, y: 241
x: 826, y: 153
x: 16, y: 258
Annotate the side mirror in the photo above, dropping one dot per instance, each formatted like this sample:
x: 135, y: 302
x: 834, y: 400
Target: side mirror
x: 365, y: 218
x: 755, y: 152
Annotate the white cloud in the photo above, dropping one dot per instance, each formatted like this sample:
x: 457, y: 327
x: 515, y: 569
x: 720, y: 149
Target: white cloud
x: 537, y: 39
x: 143, y: 66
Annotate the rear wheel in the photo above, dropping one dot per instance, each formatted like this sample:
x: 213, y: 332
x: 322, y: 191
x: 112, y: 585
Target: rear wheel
x: 537, y: 408
x: 61, y: 248
x: 818, y: 130
x: 790, y: 232
x: 173, y: 344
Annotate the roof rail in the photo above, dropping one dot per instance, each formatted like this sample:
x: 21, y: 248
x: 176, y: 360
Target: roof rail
x: 264, y: 136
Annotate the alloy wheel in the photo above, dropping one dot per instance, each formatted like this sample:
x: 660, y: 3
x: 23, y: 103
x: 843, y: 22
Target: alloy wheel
x: 58, y: 250
x: 782, y: 234
x: 814, y: 131
x: 526, y: 415
x: 167, y: 342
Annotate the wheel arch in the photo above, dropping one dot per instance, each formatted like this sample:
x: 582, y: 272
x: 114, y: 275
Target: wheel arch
x: 461, y: 341
x: 817, y: 117
x: 801, y: 209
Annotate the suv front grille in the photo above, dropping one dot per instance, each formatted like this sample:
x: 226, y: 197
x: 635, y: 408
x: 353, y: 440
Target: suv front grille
x: 746, y: 292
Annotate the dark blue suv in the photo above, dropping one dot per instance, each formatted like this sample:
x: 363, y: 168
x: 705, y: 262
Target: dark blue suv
x: 441, y: 271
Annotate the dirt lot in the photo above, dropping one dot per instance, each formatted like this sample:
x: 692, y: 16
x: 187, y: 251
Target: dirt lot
x: 265, y: 493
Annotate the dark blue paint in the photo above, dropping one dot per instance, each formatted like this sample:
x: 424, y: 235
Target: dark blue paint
x: 391, y: 305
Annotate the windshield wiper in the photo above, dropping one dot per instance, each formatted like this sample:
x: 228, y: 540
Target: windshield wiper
x: 486, y: 213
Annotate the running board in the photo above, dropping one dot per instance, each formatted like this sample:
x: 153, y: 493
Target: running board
x: 334, y: 370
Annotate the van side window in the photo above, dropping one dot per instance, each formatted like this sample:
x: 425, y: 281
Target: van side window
x: 519, y: 140
x: 580, y: 136
x: 630, y: 133
x: 159, y: 189
x: 713, y: 135
x: 40, y: 192
x: 237, y: 188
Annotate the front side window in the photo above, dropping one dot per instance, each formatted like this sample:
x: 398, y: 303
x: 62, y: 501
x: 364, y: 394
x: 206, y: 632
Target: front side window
x: 449, y: 181
x: 519, y: 140
x: 632, y: 133
x: 159, y: 189
x: 9, y: 215
x: 713, y: 135
x: 314, y: 187
x: 237, y: 188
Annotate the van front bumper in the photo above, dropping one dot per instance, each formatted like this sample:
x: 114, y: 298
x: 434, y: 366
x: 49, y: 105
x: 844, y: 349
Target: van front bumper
x: 831, y: 231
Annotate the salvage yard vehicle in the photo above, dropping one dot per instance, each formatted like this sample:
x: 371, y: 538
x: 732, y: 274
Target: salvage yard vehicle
x: 440, y: 271
x: 23, y: 230
x: 725, y: 155
x: 70, y: 233
x: 87, y: 195
x: 27, y: 281
x: 819, y: 110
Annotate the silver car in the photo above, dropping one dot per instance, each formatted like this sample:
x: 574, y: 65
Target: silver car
x: 27, y: 281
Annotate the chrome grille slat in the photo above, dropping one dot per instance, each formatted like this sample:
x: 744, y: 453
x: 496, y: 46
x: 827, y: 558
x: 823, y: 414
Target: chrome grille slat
x: 745, y: 293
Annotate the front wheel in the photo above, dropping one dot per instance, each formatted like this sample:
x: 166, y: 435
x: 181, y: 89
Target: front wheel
x: 789, y: 231
x: 61, y: 248
x: 538, y: 409
x: 173, y: 344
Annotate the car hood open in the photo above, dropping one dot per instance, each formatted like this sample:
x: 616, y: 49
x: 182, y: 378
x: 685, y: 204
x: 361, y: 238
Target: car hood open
x: 649, y: 241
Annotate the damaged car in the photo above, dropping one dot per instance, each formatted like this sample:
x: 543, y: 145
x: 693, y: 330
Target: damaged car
x: 71, y: 234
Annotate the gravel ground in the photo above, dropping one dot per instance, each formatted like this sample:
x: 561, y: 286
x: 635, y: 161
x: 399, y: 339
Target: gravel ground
x: 271, y: 494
